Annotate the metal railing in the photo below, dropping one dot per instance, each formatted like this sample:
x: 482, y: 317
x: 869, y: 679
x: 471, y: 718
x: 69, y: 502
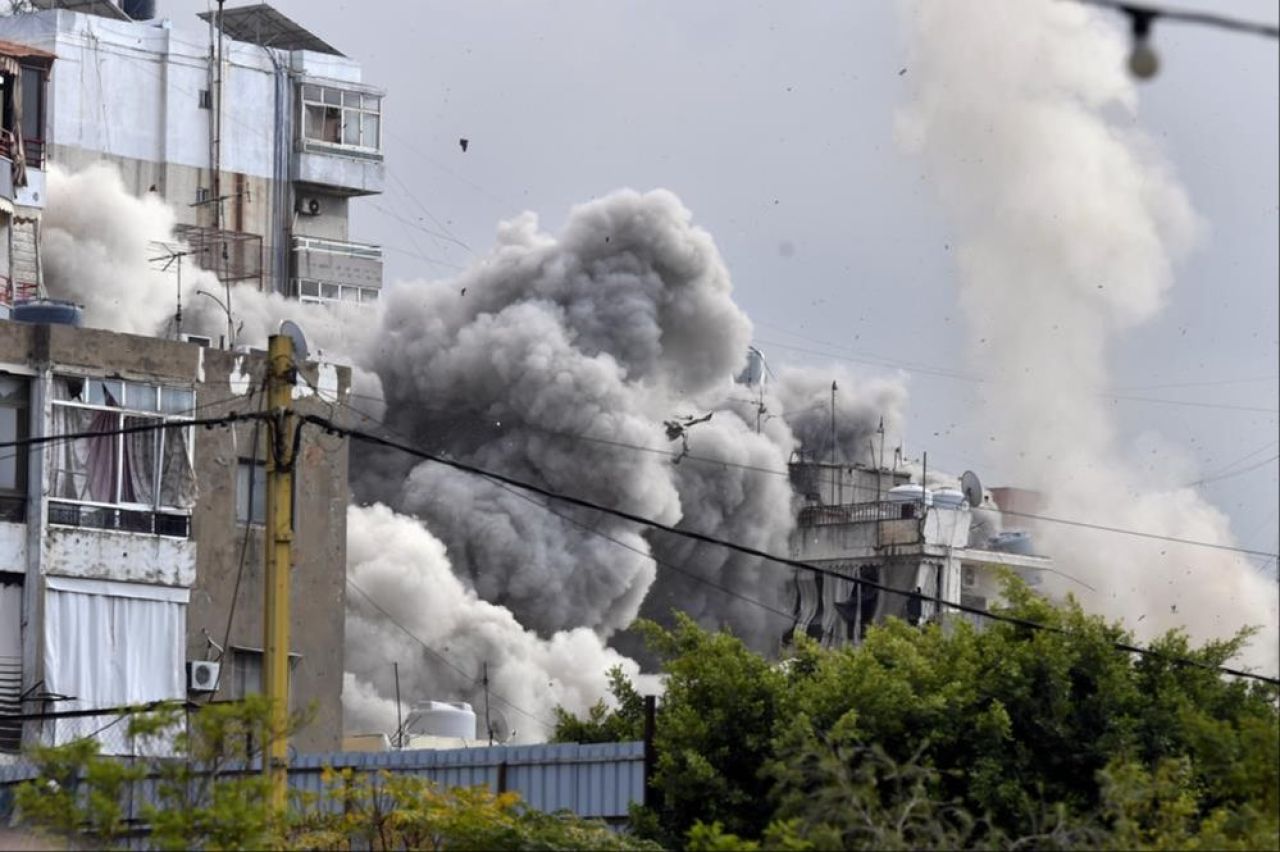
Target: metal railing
x: 366, y: 250
x: 171, y: 524
x: 853, y: 513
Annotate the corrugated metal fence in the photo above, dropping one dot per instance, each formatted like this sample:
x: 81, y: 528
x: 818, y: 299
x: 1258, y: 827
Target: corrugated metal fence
x: 598, y: 781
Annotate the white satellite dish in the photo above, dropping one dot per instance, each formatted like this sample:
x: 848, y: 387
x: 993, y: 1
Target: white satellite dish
x: 972, y: 488
x: 292, y: 330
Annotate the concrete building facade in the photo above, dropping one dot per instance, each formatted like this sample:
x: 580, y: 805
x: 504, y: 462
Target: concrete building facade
x: 256, y: 132
x: 876, y: 526
x: 124, y: 559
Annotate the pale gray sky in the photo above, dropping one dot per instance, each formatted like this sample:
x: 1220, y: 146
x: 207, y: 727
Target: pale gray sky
x: 774, y: 124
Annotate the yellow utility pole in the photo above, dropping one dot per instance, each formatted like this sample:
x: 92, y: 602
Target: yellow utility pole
x: 281, y: 373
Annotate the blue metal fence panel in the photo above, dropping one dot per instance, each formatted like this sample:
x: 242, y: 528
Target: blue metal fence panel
x: 598, y: 780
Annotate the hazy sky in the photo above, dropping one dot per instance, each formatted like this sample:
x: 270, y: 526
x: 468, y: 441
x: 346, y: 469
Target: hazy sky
x: 774, y: 123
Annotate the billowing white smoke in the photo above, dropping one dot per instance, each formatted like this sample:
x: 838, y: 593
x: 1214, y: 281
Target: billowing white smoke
x: 401, y: 566
x: 98, y: 242
x: 1070, y: 222
x: 555, y: 359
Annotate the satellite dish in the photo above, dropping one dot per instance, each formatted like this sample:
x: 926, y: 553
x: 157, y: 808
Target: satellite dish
x: 292, y: 330
x: 972, y: 488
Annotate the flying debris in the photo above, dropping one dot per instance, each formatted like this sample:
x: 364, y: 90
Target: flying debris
x: 463, y: 143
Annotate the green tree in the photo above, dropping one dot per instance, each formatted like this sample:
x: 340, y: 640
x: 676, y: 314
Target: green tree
x: 986, y: 737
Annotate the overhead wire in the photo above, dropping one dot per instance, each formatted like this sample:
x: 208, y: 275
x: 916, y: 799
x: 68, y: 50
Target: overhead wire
x: 1188, y: 16
x: 439, y: 656
x: 662, y: 563
x: 761, y: 554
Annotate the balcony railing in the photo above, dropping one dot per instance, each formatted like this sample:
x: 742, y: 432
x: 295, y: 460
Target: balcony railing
x: 32, y: 149
x: 169, y: 524
x: 853, y: 513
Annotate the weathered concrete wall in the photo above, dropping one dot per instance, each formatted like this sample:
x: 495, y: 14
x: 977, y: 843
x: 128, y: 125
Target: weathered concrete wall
x: 318, y: 593
x: 223, y: 382
x: 110, y: 555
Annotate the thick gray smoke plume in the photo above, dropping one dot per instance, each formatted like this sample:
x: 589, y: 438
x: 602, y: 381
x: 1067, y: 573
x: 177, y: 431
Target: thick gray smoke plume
x: 1070, y: 224
x: 566, y: 360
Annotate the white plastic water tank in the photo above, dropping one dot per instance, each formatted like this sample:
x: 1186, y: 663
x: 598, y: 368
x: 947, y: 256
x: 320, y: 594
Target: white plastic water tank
x: 443, y: 719
x: 910, y: 493
x: 949, y: 498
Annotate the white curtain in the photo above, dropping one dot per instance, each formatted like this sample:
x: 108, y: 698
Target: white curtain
x: 110, y: 644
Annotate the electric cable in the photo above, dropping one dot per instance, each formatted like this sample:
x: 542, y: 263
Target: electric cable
x: 440, y: 657
x: 1187, y: 16
x: 332, y: 427
x: 662, y: 563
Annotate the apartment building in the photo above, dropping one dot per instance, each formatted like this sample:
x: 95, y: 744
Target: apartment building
x: 877, y: 526
x: 257, y: 132
x: 123, y: 558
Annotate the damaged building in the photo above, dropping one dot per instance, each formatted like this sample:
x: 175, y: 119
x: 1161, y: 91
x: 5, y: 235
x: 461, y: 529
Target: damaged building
x: 874, y: 524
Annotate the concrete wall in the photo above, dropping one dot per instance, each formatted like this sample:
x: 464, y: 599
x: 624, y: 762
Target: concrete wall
x: 223, y: 382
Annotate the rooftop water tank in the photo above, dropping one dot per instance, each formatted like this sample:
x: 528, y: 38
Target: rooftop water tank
x: 442, y: 719
x: 949, y: 498
x: 1013, y: 541
x: 50, y: 311
x: 910, y: 493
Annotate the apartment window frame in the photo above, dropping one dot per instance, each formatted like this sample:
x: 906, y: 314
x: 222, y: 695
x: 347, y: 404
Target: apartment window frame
x: 245, y: 661
x: 259, y: 514
x: 15, y: 425
x: 341, y: 118
x: 319, y: 292
x: 116, y: 403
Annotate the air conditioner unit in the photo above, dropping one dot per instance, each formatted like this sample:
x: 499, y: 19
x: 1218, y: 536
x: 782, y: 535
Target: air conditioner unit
x: 202, y: 676
x: 309, y: 205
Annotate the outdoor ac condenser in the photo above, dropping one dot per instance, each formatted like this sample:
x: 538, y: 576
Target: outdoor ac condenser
x: 202, y: 676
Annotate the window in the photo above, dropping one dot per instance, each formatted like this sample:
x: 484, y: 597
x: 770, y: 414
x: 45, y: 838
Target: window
x: 320, y: 292
x: 251, y: 492
x: 111, y: 644
x: 10, y: 660
x: 341, y: 118
x: 13, y: 461
x: 202, y: 195
x: 149, y: 475
x: 246, y: 672
x: 206, y: 102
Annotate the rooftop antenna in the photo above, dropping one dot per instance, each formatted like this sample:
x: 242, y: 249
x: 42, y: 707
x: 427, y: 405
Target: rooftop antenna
x: 835, y: 452
x: 488, y: 720
x: 399, y: 720
x: 173, y: 257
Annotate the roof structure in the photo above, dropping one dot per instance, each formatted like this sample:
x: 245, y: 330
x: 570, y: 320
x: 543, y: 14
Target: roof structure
x: 101, y: 8
x: 25, y: 51
x: 263, y: 25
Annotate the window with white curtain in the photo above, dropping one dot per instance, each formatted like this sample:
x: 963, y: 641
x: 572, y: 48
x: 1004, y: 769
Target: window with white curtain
x: 109, y: 644
x: 149, y: 470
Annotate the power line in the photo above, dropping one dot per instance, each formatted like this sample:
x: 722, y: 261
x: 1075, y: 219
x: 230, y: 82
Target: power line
x: 210, y: 422
x: 940, y: 372
x: 774, y: 472
x: 1187, y: 16
x: 1221, y: 476
x: 1155, y: 536
x: 438, y: 656
x: 332, y: 427
x: 679, y: 569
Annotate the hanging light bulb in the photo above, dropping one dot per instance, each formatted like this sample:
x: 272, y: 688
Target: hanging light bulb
x: 1144, y: 62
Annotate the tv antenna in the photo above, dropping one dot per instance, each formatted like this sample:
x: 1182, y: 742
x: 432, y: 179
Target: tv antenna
x: 173, y: 257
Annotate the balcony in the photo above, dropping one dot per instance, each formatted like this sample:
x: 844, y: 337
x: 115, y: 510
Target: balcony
x: 336, y: 271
